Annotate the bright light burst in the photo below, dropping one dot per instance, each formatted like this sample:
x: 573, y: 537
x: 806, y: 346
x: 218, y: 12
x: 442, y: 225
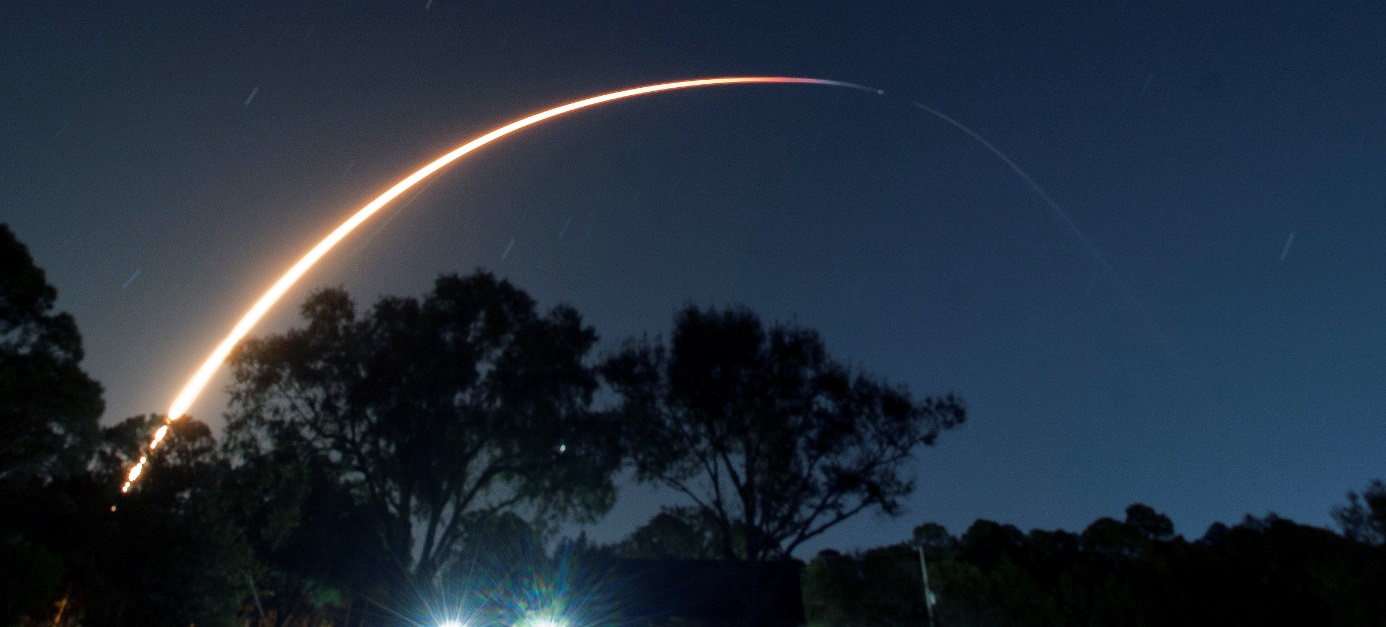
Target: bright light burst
x: 543, y: 622
x: 204, y: 373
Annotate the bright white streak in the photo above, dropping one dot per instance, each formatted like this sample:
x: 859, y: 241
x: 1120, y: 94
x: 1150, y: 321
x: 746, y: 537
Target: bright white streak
x: 158, y: 437
x: 199, y: 380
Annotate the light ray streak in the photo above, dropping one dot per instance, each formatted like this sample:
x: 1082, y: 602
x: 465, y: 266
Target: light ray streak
x: 204, y: 373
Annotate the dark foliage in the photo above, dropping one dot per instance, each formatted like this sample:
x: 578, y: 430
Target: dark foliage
x: 419, y: 422
x: 675, y: 532
x: 1128, y: 572
x: 1364, y: 517
x: 48, y: 406
x: 771, y: 439
x: 165, y: 554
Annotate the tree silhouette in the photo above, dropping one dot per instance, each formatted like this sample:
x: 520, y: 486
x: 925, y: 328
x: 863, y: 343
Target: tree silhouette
x: 435, y: 414
x: 1137, y: 572
x: 1153, y: 524
x: 312, y: 541
x: 1364, y: 517
x: 48, y: 428
x: 167, y: 553
x: 677, y: 532
x: 170, y: 553
x: 48, y: 406
x: 764, y: 432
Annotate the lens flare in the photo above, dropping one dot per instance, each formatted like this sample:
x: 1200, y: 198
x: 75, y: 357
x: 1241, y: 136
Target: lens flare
x: 544, y: 622
x: 204, y: 373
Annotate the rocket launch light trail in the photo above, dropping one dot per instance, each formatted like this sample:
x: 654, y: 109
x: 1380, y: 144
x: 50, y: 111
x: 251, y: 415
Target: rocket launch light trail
x: 199, y: 380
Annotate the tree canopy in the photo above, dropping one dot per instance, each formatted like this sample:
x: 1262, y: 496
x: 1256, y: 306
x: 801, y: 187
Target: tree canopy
x: 1364, y: 517
x: 1134, y: 571
x: 435, y: 414
x: 167, y: 553
x: 48, y: 406
x: 770, y: 438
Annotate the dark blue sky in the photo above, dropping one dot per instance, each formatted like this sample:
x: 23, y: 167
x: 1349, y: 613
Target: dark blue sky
x: 165, y: 163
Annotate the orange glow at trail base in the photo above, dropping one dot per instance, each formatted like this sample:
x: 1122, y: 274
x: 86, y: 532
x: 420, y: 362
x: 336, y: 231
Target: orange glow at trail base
x: 204, y: 373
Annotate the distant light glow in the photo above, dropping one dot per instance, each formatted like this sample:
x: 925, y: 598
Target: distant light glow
x: 204, y: 373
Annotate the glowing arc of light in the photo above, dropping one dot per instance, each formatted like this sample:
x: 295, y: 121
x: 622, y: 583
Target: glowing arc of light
x: 204, y: 373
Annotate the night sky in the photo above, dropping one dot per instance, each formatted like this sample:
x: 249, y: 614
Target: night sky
x: 1211, y: 340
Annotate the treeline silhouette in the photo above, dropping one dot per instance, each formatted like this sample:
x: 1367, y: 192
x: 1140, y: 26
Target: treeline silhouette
x: 1261, y: 571
x: 385, y: 464
x: 412, y: 461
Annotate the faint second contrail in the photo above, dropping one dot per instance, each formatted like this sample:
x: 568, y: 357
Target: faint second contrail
x: 1063, y: 216
x: 136, y: 275
x: 199, y: 380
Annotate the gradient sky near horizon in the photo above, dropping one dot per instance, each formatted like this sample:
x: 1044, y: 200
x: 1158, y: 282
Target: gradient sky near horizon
x: 1227, y: 161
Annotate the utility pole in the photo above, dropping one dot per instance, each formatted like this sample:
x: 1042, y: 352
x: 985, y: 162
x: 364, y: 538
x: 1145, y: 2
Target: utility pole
x: 928, y: 594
